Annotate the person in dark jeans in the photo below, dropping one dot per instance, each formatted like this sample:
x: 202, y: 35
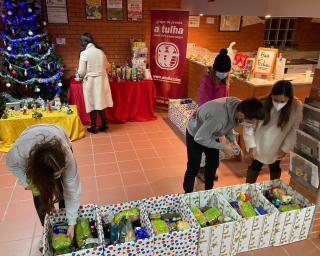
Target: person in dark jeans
x: 212, y: 120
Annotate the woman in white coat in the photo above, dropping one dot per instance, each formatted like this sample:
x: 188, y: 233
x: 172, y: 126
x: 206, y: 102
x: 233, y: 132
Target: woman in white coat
x: 96, y: 87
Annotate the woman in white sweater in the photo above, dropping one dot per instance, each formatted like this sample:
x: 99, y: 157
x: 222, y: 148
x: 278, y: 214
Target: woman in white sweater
x: 273, y: 138
x: 43, y: 162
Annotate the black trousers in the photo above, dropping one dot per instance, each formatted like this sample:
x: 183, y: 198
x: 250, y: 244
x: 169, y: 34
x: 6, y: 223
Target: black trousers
x: 194, y: 151
x: 275, y: 170
x: 102, y: 114
x: 37, y: 205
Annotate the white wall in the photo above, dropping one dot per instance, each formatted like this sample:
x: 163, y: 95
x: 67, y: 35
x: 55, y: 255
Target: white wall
x: 280, y: 8
x: 293, y: 8
x: 226, y: 7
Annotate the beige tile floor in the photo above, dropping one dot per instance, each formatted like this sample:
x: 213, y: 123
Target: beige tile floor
x: 131, y: 161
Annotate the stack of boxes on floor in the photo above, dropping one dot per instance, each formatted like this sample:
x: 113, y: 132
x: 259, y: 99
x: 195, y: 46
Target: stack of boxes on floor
x: 305, y: 160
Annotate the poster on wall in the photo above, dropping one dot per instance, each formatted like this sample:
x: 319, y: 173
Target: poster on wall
x: 194, y: 21
x: 57, y: 11
x: 134, y: 10
x: 168, y: 47
x: 93, y: 9
x: 114, y: 10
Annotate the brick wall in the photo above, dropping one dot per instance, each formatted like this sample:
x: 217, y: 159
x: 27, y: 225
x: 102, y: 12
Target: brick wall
x: 113, y: 36
x: 208, y: 36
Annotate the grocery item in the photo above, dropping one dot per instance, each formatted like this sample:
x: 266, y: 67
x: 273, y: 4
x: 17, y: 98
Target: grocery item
x: 182, y: 225
x: 132, y: 214
x: 246, y: 209
x: 212, y: 214
x: 61, y: 242
x: 202, y: 220
x: 84, y: 235
x: 287, y: 208
x: 159, y: 226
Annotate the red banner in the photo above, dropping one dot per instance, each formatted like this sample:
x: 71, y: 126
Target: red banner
x: 169, y: 35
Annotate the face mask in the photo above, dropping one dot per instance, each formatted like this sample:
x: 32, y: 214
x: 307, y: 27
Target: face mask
x: 244, y: 123
x: 221, y: 75
x: 278, y: 106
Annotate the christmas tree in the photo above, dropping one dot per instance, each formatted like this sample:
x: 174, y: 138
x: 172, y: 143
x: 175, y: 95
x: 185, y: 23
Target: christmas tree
x: 27, y: 56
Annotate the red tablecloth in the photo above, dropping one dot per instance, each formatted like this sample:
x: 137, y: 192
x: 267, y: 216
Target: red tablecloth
x: 132, y: 101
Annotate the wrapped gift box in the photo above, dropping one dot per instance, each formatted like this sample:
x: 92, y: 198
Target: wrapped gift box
x: 311, y: 121
x: 177, y: 243
x: 179, y: 115
x: 294, y: 225
x: 138, y: 247
x: 308, y: 146
x: 256, y: 232
x: 304, y: 171
x: 87, y: 211
x: 219, y: 239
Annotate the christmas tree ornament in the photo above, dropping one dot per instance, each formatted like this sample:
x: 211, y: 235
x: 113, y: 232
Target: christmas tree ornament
x: 59, y: 84
x: 40, y: 46
x: 39, y: 68
x: 8, y: 85
x: 30, y: 10
x: 26, y: 62
x: 30, y: 33
x: 37, y: 89
x: 44, y: 23
x: 13, y: 72
x: 9, y: 48
x: 13, y: 32
x: 25, y: 73
x: 9, y: 13
x: 48, y: 66
x: 61, y: 69
x: 10, y: 67
x: 4, y: 43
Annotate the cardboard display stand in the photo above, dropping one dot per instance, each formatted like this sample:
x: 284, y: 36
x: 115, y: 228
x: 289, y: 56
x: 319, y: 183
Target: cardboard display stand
x: 87, y: 211
x: 291, y: 226
x: 221, y: 239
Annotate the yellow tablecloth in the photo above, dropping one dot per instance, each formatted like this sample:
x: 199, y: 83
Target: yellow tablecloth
x: 11, y: 128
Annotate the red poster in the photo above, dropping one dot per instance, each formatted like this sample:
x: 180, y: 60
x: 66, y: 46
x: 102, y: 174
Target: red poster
x: 169, y: 34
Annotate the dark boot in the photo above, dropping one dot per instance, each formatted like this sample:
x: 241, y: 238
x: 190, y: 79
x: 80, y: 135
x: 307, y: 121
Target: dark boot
x: 93, y: 118
x: 275, y: 170
x: 252, y: 176
x: 104, y: 126
x: 200, y: 175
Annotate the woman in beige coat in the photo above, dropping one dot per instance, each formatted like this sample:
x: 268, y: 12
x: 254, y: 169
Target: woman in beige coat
x: 96, y: 87
x: 274, y: 137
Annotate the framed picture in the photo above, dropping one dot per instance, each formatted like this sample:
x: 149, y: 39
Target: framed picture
x: 230, y: 23
x: 134, y: 10
x: 114, y: 10
x: 57, y: 12
x: 93, y: 9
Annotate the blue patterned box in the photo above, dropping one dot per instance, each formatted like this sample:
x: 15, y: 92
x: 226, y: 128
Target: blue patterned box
x: 256, y: 232
x: 294, y: 225
x: 219, y: 239
x: 141, y: 247
x: 86, y: 211
x: 179, y: 243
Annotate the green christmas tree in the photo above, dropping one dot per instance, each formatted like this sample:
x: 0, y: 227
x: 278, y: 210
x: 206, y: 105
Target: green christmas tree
x: 27, y: 56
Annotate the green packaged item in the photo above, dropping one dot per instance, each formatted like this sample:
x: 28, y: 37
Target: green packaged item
x: 132, y: 214
x: 34, y: 190
x: 122, y: 230
x: 246, y: 209
x: 159, y: 227
x: 82, y: 232
x: 287, y: 208
x: 212, y: 214
x: 182, y: 225
x: 202, y: 220
x: 172, y: 226
x: 61, y: 243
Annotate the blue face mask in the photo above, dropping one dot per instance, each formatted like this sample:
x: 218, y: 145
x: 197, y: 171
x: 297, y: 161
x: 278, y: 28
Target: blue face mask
x: 221, y: 75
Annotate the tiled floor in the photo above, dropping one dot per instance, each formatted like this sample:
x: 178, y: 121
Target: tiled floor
x: 131, y: 161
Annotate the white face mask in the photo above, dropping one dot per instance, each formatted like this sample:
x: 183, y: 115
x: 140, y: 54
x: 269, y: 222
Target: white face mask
x: 221, y: 75
x: 278, y: 106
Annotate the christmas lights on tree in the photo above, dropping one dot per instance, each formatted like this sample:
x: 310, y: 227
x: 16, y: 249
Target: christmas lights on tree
x: 27, y: 56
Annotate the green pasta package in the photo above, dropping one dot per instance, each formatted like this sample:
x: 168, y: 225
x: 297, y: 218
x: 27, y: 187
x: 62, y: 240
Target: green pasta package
x: 200, y: 217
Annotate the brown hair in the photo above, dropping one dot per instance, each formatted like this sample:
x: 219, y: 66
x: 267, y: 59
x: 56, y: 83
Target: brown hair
x: 285, y: 88
x: 45, y: 159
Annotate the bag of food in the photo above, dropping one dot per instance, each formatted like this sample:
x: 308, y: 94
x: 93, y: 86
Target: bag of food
x: 82, y: 232
x: 212, y: 214
x: 159, y: 226
x: 132, y: 214
x: 202, y: 220
x: 61, y: 243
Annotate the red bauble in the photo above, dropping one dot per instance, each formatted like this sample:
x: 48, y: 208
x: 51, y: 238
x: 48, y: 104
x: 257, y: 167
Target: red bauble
x: 13, y: 72
x: 26, y: 62
x: 61, y: 69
